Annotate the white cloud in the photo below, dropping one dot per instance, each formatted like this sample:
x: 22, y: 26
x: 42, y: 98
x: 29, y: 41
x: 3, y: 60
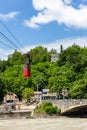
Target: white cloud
x: 61, y: 11
x: 30, y: 24
x: 8, y: 16
x: 81, y: 41
x: 5, y: 53
x: 68, y: 2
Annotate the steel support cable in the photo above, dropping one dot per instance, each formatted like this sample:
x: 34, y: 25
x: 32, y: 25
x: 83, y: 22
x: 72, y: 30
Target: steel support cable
x: 12, y: 34
x: 6, y: 45
x: 10, y: 41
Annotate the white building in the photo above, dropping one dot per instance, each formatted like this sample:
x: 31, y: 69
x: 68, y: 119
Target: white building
x: 54, y: 57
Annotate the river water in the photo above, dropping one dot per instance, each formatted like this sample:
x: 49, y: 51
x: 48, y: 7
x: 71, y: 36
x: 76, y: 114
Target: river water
x: 60, y: 123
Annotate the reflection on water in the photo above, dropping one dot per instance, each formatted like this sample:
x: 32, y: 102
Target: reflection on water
x: 60, y: 123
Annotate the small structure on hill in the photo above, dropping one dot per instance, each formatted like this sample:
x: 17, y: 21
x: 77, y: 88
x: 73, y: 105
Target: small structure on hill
x: 44, y: 95
x: 37, y: 96
x: 10, y: 98
x: 54, y: 57
x: 49, y: 96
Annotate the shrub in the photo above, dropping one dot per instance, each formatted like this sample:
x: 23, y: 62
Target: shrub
x: 47, y: 107
x: 46, y: 104
x: 50, y: 109
x: 39, y: 111
x: 59, y: 111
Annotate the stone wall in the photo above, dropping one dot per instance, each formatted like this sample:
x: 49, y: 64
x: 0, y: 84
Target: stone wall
x: 7, y: 107
x: 66, y: 104
x: 9, y: 111
x: 7, y: 115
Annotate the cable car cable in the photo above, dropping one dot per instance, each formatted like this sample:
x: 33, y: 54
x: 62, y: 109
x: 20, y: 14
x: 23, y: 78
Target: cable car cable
x: 12, y: 34
x: 10, y: 40
x: 6, y: 45
x: 27, y: 65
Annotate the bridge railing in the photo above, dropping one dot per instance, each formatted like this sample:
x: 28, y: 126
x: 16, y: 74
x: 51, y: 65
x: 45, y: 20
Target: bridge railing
x: 68, y: 103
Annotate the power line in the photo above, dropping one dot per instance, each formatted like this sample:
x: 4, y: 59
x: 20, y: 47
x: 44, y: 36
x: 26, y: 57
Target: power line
x: 9, y: 40
x: 12, y: 34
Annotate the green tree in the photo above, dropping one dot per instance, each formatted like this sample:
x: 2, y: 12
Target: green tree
x: 27, y: 93
x: 39, y: 54
x: 49, y: 108
x: 79, y: 89
x: 53, y: 51
x: 16, y: 58
x: 66, y: 73
x: 1, y: 89
x: 71, y: 57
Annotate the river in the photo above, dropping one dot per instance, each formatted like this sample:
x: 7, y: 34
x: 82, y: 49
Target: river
x: 60, y: 123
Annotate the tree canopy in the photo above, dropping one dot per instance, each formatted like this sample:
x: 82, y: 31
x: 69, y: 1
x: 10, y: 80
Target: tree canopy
x: 68, y: 72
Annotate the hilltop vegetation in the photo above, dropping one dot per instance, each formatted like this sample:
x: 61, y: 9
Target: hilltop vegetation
x: 69, y: 72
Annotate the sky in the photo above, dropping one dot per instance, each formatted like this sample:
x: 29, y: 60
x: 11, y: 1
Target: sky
x: 47, y: 23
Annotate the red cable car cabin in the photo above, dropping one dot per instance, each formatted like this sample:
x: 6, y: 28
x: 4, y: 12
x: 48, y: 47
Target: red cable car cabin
x: 26, y: 70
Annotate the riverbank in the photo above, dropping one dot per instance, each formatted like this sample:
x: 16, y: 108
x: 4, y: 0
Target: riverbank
x: 18, y: 110
x: 16, y: 114
x: 25, y: 114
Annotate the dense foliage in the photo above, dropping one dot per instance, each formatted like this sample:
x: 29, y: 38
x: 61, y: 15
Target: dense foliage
x: 48, y: 108
x: 68, y: 72
x: 27, y: 94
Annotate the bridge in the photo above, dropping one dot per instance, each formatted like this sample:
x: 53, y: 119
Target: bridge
x: 72, y: 106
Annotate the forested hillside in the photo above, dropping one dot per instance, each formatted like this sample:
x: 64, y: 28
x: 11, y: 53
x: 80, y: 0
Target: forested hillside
x: 69, y: 72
